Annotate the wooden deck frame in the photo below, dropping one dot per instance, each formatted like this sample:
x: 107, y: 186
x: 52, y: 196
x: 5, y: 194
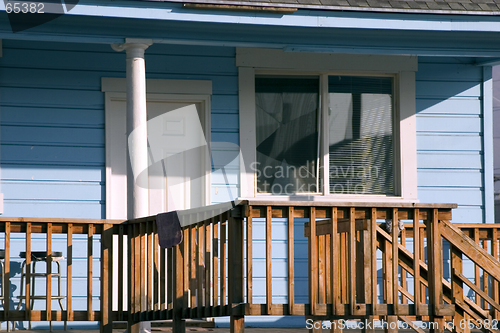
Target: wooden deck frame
x: 205, y: 276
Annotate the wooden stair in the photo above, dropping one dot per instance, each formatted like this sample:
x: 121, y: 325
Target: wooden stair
x: 479, y: 312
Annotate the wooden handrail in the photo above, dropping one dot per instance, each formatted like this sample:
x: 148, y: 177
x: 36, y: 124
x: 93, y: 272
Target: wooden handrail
x: 205, y: 275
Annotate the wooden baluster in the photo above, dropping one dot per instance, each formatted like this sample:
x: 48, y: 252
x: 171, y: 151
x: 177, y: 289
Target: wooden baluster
x: 28, y: 274
x: 185, y: 266
x: 208, y: 259
x: 132, y: 326
x: 352, y: 260
x: 121, y: 271
x: 291, y: 261
x: 328, y: 272
x: 156, y: 271
x: 90, y: 242
x: 335, y: 258
x: 170, y: 282
x: 423, y: 236
x: 485, y: 275
x: 477, y: 273
x: 373, y: 243
x: 404, y: 284
x: 367, y: 254
x: 165, y: 282
x: 193, y: 267
x: 457, y: 290
x: 106, y: 323
x: 6, y: 277
x: 495, y: 254
x: 223, y: 265
x: 313, y: 262
x: 321, y: 269
x: 250, y: 256
x: 395, y: 260
x: 201, y: 273
x: 416, y: 261
x: 215, y: 269
x: 48, y: 288
x: 391, y: 279
x: 137, y: 272
x: 150, y: 274
x: 269, y: 253
x: 179, y: 324
x: 387, y: 272
x: 142, y: 270
x: 343, y: 268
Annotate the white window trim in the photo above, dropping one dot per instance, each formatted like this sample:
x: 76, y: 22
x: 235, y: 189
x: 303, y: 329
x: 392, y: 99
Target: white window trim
x: 198, y: 91
x: 403, y: 68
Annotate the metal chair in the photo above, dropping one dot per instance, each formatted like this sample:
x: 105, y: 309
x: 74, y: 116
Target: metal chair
x: 36, y: 257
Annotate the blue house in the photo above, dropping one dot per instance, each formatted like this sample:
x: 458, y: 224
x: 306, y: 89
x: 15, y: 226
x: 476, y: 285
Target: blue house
x: 125, y: 109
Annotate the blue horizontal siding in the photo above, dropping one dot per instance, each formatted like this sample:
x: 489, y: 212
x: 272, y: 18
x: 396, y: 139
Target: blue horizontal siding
x: 448, y: 106
x: 447, y: 89
x: 466, y: 124
x: 36, y: 116
x: 449, y: 142
x: 449, y: 160
x: 52, y: 116
x: 450, y: 137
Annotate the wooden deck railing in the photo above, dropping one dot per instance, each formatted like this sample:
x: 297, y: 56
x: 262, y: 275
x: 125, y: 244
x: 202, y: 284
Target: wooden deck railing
x: 71, y: 228
x: 355, y: 269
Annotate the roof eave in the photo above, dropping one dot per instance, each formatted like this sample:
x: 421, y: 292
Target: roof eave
x: 338, y: 8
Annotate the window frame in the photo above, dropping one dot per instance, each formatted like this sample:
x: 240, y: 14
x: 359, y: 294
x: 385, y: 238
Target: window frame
x: 254, y: 62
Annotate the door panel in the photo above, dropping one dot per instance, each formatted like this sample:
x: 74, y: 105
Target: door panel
x: 176, y: 155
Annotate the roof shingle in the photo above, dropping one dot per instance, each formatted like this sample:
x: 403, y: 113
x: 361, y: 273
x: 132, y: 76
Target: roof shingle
x: 469, y: 7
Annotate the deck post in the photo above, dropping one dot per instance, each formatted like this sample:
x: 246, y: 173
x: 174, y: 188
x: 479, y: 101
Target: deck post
x: 106, y: 325
x: 435, y: 265
x: 179, y: 325
x: 236, y: 272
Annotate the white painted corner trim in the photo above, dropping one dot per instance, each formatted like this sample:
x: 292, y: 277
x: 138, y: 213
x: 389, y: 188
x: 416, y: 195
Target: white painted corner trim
x: 403, y: 68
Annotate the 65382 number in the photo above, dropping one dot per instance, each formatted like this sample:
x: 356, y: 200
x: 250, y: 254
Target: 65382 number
x: 25, y: 7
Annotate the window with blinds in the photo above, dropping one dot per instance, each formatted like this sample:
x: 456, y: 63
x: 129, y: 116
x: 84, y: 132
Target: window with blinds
x: 359, y: 141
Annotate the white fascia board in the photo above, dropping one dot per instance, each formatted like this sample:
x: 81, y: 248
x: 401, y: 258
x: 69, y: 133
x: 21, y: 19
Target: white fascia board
x: 302, y: 18
x: 269, y: 59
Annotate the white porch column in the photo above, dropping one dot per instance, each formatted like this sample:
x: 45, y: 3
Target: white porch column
x: 137, y: 152
x: 137, y: 195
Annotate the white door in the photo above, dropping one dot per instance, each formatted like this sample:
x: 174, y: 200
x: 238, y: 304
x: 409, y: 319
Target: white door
x: 178, y: 172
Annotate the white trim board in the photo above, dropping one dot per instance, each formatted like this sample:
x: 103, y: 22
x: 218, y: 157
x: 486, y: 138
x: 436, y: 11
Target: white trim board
x: 323, y: 62
x: 252, y: 61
